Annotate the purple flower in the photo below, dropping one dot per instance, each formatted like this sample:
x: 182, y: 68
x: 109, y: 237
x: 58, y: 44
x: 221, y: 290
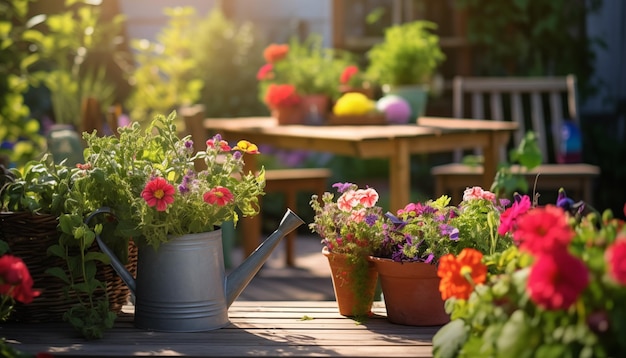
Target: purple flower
x: 449, y: 230
x: 370, y: 220
x: 237, y: 155
x: 429, y: 259
x: 341, y: 187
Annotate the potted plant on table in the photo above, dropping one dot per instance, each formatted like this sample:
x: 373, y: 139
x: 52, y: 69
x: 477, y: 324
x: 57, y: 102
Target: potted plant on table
x: 414, y: 241
x: 558, y: 292
x: 405, y: 61
x: 349, y: 227
x: 311, y: 69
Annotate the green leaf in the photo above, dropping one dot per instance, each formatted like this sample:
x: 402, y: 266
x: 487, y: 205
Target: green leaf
x: 58, y: 273
x: 56, y: 250
x: 515, y: 337
x: 449, y: 339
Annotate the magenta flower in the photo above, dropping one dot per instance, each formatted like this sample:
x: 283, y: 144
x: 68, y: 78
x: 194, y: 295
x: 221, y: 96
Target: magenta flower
x: 557, y: 280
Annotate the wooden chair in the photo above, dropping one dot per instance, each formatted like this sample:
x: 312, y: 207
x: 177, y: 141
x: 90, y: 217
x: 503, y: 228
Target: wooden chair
x: 287, y: 182
x: 545, y: 99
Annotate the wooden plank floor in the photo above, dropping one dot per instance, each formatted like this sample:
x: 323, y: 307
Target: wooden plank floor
x: 268, y: 319
x: 258, y: 328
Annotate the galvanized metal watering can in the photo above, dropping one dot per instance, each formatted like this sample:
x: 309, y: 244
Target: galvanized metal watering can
x: 182, y: 286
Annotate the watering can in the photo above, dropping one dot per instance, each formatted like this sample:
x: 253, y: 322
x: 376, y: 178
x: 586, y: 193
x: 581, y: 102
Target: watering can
x: 182, y: 285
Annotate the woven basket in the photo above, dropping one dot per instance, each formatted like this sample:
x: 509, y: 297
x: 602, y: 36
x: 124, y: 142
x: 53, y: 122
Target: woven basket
x: 29, y: 237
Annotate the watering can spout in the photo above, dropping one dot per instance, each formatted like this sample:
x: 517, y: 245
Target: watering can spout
x: 238, y: 279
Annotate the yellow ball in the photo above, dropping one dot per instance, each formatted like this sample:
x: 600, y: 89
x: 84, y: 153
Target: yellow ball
x: 353, y: 104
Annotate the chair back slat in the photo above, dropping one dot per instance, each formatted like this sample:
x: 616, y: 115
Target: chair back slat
x: 538, y: 123
x: 534, y: 103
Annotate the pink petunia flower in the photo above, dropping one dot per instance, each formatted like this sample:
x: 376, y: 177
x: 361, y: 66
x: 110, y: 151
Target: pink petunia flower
x: 158, y: 192
x: 509, y: 217
x: 219, y: 195
x: 348, y: 200
x: 616, y: 259
x: 543, y: 230
x: 478, y: 193
x: 367, y: 197
x: 556, y: 280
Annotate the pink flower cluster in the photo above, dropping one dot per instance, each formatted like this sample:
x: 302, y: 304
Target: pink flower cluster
x: 557, y: 278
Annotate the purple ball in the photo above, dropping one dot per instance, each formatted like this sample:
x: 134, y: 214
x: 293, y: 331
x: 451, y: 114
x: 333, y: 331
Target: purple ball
x: 396, y: 109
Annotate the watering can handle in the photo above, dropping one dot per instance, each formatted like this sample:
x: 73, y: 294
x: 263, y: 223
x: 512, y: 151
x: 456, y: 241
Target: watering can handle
x: 115, y: 262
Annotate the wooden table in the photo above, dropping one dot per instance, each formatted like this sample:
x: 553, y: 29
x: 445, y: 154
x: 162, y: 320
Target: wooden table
x: 258, y: 328
x: 395, y: 143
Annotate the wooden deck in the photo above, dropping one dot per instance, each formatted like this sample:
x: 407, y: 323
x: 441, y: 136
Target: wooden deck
x: 258, y: 328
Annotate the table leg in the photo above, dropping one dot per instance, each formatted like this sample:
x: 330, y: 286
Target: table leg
x: 490, y: 164
x: 399, y: 176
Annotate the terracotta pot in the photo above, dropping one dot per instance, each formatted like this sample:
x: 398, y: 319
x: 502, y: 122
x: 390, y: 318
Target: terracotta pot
x: 288, y: 114
x: 352, y: 300
x: 411, y: 292
x: 316, y: 107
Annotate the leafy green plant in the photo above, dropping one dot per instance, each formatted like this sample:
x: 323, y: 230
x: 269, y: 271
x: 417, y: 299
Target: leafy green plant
x: 71, y: 39
x: 48, y: 188
x: 165, y: 77
x: 509, y: 177
x: 227, y: 59
x: 19, y: 134
x: 308, y: 66
x: 409, y: 54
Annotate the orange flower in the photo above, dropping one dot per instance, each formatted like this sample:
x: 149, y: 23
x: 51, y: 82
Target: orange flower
x: 275, y: 52
x: 158, y: 192
x: 460, y: 274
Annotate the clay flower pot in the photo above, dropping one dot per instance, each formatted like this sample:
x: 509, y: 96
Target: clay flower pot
x: 354, y: 295
x: 411, y: 292
x: 285, y: 115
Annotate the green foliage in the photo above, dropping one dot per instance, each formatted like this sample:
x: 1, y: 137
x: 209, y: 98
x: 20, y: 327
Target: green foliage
x: 409, y: 54
x: 312, y: 68
x: 227, y: 58
x: 509, y: 177
x: 524, y: 37
x: 48, y: 188
x: 166, y: 74
x: 16, y: 126
x: 71, y: 39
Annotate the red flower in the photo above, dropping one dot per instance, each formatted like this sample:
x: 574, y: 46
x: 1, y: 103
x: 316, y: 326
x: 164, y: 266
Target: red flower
x: 616, y: 258
x: 218, y: 195
x: 281, y: 95
x: 222, y: 144
x: 158, y: 192
x: 460, y: 274
x: 15, y: 280
x: 542, y: 230
x: 274, y: 52
x: 557, y: 279
x: 266, y: 72
x: 348, y: 73
x: 509, y: 217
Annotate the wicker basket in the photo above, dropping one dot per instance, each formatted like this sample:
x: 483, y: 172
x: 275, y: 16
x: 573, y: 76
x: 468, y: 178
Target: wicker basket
x: 29, y: 237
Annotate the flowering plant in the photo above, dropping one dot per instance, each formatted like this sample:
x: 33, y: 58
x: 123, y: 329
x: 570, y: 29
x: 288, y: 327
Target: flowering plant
x: 558, y: 292
x: 424, y: 232
x: 352, y: 76
x: 307, y: 66
x: 352, y: 224
x: 148, y: 178
x: 281, y: 96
